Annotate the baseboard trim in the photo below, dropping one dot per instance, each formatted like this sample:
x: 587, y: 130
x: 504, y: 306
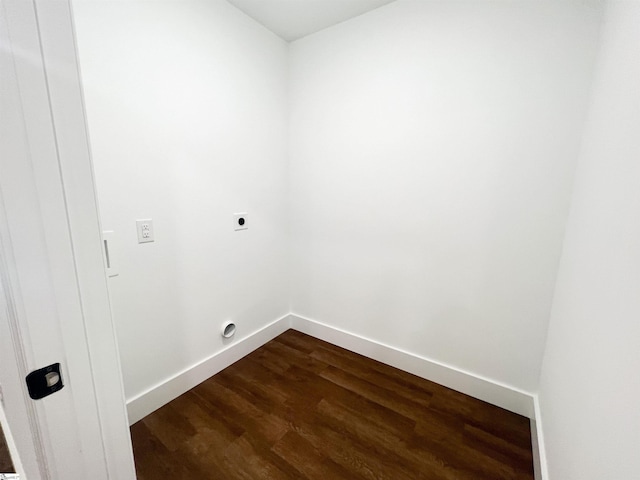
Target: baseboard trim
x: 509, y: 398
x: 147, y: 402
x: 537, y: 443
x: 504, y: 396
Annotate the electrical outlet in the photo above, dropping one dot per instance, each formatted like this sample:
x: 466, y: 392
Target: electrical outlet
x: 145, y: 230
x: 241, y: 221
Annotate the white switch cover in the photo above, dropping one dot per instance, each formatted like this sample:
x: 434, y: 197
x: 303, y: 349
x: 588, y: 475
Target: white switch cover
x: 145, y: 230
x: 241, y: 221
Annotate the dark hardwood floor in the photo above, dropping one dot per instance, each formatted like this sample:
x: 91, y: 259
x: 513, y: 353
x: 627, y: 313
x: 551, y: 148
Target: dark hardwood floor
x: 300, y: 408
x: 6, y: 464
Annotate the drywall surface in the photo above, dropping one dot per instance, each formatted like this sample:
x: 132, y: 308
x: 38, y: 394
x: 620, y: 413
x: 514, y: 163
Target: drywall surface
x: 590, y: 385
x: 432, y: 151
x: 186, y: 106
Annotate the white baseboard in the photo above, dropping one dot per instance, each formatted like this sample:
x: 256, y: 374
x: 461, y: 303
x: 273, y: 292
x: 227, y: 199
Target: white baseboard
x: 142, y: 405
x: 504, y: 396
x: 509, y: 398
x: 537, y: 443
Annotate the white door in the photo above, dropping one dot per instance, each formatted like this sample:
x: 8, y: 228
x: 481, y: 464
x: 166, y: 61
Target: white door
x: 54, y: 303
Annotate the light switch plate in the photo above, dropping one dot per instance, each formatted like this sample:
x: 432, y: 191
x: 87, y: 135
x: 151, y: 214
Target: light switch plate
x: 145, y: 230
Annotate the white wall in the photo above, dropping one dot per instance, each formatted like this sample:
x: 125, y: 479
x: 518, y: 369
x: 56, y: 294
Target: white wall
x: 432, y: 151
x: 186, y: 105
x: 590, y: 384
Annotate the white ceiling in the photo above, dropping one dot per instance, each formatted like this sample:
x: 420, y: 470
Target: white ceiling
x: 293, y: 19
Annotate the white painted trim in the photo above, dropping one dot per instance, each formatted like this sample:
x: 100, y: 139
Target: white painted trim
x: 88, y: 334
x: 537, y: 443
x: 142, y: 405
x: 496, y: 393
x: 54, y: 293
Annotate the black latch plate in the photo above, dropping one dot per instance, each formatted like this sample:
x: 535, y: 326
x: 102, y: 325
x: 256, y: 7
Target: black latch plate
x: 44, y: 381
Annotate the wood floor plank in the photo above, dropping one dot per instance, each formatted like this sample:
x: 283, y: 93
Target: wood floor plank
x: 375, y: 393
x: 246, y: 462
x: 6, y: 464
x: 384, y: 376
x: 359, y: 459
x: 241, y: 411
x: 308, y: 460
x: 301, y: 408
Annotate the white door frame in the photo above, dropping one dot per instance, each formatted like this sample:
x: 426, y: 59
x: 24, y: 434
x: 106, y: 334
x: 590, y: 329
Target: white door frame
x: 54, y: 303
